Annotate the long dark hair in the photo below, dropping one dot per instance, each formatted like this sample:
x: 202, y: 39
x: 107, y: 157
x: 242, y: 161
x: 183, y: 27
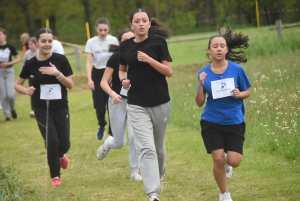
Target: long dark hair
x: 235, y: 43
x: 115, y: 48
x: 156, y: 27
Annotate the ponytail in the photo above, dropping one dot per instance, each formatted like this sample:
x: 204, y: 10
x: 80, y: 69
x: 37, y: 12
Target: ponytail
x: 234, y: 41
x: 113, y: 48
x: 159, y: 29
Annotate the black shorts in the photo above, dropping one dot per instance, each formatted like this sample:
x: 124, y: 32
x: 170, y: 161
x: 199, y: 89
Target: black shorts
x: 227, y: 137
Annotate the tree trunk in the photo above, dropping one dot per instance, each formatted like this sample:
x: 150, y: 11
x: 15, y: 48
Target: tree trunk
x: 266, y: 15
x: 157, y: 14
x: 52, y: 22
x: 24, y: 9
x: 212, y: 14
x: 86, y: 8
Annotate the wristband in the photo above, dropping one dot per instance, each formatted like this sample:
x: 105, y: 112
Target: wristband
x: 60, y: 77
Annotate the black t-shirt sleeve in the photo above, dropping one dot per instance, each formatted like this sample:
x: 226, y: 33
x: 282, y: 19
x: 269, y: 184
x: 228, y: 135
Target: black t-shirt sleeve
x: 164, y: 51
x: 113, y: 62
x: 25, y: 73
x: 66, y: 67
x: 13, y: 50
x: 122, y: 53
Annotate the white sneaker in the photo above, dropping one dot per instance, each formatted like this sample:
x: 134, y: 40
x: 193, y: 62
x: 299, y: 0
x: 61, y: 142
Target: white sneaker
x: 103, y: 150
x: 31, y: 114
x: 228, y: 168
x: 134, y: 176
x: 0, y: 106
x: 228, y: 171
x: 225, y: 197
x: 153, y: 198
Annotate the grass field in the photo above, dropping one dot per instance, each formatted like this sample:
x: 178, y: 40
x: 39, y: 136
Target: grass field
x: 270, y: 167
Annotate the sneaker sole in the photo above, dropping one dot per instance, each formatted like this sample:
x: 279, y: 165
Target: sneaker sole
x: 100, y: 159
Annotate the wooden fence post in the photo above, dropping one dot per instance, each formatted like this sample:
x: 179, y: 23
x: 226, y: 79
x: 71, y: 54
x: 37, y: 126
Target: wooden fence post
x: 279, y: 28
x: 77, y: 57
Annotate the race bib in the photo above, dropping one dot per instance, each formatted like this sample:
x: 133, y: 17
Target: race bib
x: 222, y: 88
x: 50, y: 92
x: 4, y: 56
x: 124, y: 91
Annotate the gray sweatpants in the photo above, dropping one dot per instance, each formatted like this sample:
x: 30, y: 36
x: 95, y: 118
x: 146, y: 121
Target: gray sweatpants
x: 118, y: 121
x: 149, y: 129
x: 7, y: 90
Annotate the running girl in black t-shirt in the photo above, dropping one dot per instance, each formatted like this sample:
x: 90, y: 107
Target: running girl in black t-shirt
x: 147, y: 59
x: 52, y: 76
x: 117, y: 110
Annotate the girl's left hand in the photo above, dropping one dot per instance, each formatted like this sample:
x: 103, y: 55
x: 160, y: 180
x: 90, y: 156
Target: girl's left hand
x: 141, y: 56
x: 236, y: 93
x: 3, y: 64
x: 52, y: 70
x: 116, y: 98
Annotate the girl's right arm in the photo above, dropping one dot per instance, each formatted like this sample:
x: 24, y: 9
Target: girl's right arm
x: 20, y: 88
x: 88, y: 66
x: 123, y: 76
x: 200, y: 96
x: 105, y: 85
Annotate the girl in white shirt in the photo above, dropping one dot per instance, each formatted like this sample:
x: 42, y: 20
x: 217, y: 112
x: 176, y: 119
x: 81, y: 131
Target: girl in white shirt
x: 97, y: 56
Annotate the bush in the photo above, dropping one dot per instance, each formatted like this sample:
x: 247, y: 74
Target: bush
x: 11, y: 189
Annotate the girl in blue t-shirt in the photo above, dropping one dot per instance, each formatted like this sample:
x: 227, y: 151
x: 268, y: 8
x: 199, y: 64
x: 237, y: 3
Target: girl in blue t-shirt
x: 222, y: 121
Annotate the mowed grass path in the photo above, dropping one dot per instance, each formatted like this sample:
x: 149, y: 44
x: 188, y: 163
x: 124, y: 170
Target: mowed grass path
x: 262, y: 176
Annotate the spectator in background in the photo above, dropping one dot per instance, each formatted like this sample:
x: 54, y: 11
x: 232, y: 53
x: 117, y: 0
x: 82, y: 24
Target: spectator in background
x: 33, y: 50
x: 8, y: 57
x: 24, y: 40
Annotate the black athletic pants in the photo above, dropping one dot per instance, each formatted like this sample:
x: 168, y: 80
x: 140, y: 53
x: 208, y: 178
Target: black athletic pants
x: 100, y: 98
x: 58, y: 140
